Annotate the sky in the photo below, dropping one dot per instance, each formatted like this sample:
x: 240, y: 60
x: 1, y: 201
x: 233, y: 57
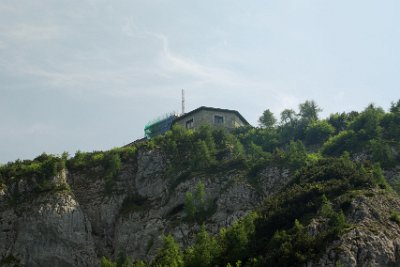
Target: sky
x: 89, y: 74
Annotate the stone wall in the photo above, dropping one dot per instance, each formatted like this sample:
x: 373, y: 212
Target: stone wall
x: 204, y: 116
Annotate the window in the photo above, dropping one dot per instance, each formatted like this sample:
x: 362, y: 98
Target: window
x: 189, y: 124
x: 218, y: 119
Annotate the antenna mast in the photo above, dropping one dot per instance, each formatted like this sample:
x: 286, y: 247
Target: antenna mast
x: 183, y: 101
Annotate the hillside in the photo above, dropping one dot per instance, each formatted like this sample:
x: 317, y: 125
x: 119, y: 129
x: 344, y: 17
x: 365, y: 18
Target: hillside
x: 301, y: 192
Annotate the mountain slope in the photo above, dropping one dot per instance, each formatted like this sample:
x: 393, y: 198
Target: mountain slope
x: 307, y: 192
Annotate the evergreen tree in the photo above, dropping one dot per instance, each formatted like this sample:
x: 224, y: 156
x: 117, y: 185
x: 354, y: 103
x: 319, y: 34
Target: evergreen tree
x: 170, y: 254
x: 309, y: 111
x: 204, y: 250
x: 267, y: 120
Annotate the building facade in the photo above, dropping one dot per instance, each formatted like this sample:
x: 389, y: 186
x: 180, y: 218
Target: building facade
x: 216, y: 117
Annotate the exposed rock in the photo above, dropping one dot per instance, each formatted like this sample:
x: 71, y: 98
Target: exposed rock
x: 131, y: 214
x: 50, y: 231
x: 374, y: 239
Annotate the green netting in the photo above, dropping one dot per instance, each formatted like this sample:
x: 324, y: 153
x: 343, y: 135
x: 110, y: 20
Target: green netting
x: 159, y: 125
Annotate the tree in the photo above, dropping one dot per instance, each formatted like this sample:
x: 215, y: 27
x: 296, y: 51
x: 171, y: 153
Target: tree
x: 202, y: 156
x: 318, y: 131
x: 267, y: 120
x: 288, y: 129
x: 367, y: 124
x: 344, y: 141
x: 296, y: 156
x: 204, y: 250
x: 123, y: 260
x: 189, y: 207
x: 169, y: 255
x: 236, y: 239
x: 288, y: 116
x: 309, y: 111
x: 197, y: 206
x: 139, y: 264
x: 395, y: 107
x: 339, y: 121
x: 104, y: 262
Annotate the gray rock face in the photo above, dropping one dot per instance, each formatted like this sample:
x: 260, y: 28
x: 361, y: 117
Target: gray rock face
x: 50, y: 231
x: 149, y: 180
x: 373, y: 240
x: 75, y: 227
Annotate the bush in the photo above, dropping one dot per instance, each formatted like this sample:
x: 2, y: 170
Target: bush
x: 367, y: 124
x: 37, y: 173
x: 169, y: 255
x: 318, y: 131
x: 204, y: 251
x: 291, y: 248
x: 382, y: 152
x: 235, y: 240
x: 344, y: 141
x: 104, y: 262
x: 391, y: 125
x: 296, y: 156
x: 197, y: 206
x: 395, y: 217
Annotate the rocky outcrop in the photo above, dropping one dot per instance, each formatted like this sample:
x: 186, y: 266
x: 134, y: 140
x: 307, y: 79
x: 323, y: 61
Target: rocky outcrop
x: 52, y: 230
x: 83, y: 215
x: 79, y: 220
x: 373, y: 238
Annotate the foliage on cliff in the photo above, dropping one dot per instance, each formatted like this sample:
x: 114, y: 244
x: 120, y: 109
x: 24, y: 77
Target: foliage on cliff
x: 331, y: 159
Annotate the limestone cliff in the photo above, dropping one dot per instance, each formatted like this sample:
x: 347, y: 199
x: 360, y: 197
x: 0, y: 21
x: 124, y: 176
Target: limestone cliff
x: 77, y: 221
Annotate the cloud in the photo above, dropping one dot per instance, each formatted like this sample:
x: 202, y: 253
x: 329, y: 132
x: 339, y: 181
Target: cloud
x: 169, y: 64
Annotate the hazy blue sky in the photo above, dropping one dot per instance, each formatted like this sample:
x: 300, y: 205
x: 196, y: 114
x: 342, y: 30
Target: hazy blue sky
x: 88, y: 75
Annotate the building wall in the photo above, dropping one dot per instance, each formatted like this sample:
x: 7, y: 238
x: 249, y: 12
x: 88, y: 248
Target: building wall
x: 202, y: 117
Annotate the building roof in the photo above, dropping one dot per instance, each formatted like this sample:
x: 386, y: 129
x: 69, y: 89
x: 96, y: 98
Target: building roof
x: 212, y: 109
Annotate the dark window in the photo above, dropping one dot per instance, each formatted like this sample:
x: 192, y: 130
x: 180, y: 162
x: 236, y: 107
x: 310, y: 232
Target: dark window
x: 189, y: 124
x: 218, y: 119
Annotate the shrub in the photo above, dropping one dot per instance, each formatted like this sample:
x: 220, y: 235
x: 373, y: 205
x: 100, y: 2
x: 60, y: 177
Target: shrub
x: 318, y: 131
x: 296, y: 156
x: 204, y: 251
x: 235, y: 240
x: 381, y: 152
x: 344, y: 141
x: 197, y: 206
x: 106, y: 262
x: 367, y: 124
x: 169, y: 255
x: 395, y: 217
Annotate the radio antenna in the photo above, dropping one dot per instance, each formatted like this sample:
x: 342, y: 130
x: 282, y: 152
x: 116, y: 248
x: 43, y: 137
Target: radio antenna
x: 183, y: 101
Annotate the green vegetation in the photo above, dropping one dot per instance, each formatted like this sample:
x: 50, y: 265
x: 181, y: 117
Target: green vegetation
x: 29, y: 177
x: 10, y: 260
x: 197, y: 207
x: 169, y: 255
x: 332, y: 160
x: 104, y: 164
x: 107, y: 160
x: 267, y: 120
x: 276, y: 234
x: 395, y: 217
x: 33, y: 176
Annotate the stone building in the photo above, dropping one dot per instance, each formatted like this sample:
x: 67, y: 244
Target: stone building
x: 215, y: 117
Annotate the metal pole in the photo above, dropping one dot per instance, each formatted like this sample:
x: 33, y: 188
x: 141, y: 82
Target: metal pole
x: 183, y: 101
